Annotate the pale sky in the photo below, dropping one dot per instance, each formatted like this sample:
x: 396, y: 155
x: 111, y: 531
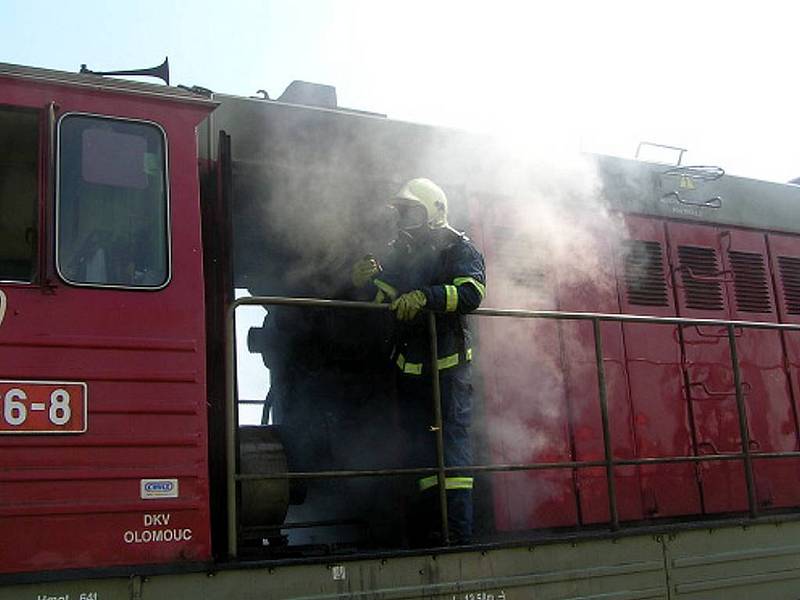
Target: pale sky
x: 718, y: 78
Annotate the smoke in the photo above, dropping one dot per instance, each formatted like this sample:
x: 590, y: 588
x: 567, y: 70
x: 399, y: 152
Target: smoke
x: 312, y: 199
x: 550, y: 239
x: 559, y: 226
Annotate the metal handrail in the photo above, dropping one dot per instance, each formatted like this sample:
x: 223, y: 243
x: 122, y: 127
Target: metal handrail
x: 609, y: 462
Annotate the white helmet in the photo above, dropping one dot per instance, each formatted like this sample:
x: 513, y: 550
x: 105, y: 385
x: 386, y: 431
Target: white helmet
x: 422, y: 192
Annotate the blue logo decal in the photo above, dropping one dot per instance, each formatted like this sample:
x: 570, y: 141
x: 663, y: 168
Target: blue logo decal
x: 159, y: 486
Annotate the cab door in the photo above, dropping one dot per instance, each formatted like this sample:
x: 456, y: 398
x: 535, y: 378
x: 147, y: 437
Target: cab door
x: 103, y: 455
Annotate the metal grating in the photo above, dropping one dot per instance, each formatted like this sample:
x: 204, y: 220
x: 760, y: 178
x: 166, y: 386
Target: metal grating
x: 644, y: 273
x: 750, y: 282
x: 702, y: 285
x: 790, y: 277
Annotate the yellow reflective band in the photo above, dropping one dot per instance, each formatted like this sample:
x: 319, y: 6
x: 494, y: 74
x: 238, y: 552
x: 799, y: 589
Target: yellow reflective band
x: 452, y: 298
x: 450, y: 483
x: 478, y: 285
x: 443, y: 363
x: 407, y: 367
x: 447, y: 362
x: 458, y: 483
x: 385, y: 288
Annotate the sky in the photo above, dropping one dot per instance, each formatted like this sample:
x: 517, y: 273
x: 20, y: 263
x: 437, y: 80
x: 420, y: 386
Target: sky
x: 717, y: 78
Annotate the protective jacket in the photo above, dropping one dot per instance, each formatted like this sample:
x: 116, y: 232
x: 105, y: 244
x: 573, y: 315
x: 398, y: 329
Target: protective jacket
x: 450, y: 271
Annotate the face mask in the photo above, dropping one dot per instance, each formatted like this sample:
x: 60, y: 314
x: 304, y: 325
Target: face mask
x: 409, y: 216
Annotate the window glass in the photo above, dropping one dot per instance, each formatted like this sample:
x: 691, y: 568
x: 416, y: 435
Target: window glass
x: 112, y: 203
x: 19, y: 151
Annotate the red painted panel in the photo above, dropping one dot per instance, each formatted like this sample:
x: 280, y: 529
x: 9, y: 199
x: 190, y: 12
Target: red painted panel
x: 652, y: 354
x: 524, y: 392
x: 701, y: 293
x: 74, y: 501
x: 770, y: 410
x: 598, y: 294
x: 36, y: 537
x: 527, y: 422
x: 784, y: 255
x: 740, y: 289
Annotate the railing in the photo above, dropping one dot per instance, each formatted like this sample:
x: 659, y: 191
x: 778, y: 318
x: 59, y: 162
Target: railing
x: 441, y: 471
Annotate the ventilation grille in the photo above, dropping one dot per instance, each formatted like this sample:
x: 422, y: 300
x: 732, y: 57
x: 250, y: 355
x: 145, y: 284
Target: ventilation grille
x: 701, y: 277
x: 750, y: 282
x: 644, y: 274
x: 790, y: 276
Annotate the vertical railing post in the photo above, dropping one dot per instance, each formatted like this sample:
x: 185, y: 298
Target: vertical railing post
x: 609, y: 457
x: 437, y: 428
x: 230, y: 427
x: 744, y: 434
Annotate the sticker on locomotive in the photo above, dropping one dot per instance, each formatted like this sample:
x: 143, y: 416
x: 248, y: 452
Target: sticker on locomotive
x: 158, y: 488
x: 30, y: 407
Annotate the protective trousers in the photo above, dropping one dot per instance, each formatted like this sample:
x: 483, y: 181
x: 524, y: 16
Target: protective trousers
x: 417, y: 417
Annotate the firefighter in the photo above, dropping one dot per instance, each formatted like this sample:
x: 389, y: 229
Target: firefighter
x: 431, y: 266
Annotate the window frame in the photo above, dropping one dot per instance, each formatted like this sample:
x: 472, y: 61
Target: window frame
x: 167, y: 204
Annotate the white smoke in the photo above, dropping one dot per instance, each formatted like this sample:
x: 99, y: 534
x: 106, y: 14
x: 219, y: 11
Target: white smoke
x: 539, y: 217
x: 551, y: 243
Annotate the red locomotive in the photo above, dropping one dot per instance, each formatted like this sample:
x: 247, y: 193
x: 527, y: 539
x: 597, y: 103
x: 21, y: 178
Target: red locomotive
x: 130, y: 214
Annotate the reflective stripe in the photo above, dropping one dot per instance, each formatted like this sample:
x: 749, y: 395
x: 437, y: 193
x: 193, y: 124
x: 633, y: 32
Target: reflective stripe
x: 407, y: 367
x: 385, y: 288
x: 452, y: 298
x: 447, y: 362
x: 450, y: 483
x: 443, y: 363
x: 478, y: 285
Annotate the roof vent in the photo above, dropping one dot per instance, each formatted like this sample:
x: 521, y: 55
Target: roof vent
x: 309, y: 94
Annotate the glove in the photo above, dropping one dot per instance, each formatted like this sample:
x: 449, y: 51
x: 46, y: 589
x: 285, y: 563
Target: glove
x: 408, y: 305
x: 364, y: 270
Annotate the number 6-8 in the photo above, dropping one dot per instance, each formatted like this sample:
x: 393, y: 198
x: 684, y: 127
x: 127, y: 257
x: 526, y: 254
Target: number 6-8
x: 15, y: 412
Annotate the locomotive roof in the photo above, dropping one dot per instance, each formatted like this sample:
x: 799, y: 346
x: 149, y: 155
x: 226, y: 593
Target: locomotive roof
x: 99, y: 82
x: 678, y: 192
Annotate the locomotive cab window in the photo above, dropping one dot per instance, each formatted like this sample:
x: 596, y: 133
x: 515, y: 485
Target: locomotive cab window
x: 19, y: 151
x: 112, y: 206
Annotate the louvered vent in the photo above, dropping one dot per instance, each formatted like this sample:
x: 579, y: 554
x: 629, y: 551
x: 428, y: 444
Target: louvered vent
x: 702, y: 287
x: 644, y: 274
x: 790, y: 276
x: 750, y: 282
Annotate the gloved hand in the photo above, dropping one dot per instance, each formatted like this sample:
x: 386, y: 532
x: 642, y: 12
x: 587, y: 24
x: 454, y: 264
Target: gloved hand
x: 364, y: 270
x: 408, y: 305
